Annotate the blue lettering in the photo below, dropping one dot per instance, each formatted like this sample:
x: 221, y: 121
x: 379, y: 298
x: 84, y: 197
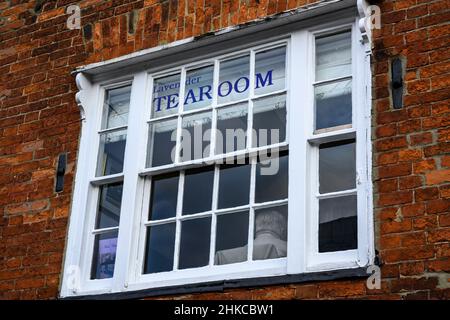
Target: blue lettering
x: 236, y: 84
x: 205, y: 92
x: 260, y: 80
x: 230, y: 87
x: 190, y: 95
x: 171, y: 98
x: 158, y: 103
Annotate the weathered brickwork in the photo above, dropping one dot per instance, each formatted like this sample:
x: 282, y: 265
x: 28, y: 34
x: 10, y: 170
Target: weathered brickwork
x: 39, y: 120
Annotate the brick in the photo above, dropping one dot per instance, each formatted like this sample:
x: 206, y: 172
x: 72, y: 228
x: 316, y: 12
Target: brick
x: 440, y: 235
x: 424, y: 166
x: 438, y: 177
x: 342, y: 289
x: 425, y: 194
x: 395, y: 170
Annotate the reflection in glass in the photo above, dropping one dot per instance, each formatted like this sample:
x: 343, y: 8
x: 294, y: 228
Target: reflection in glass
x: 337, y: 168
x: 194, y: 243
x: 160, y: 248
x: 196, y: 136
x: 110, y: 200
x: 338, y: 224
x: 270, y: 235
x: 165, y: 96
x: 333, y: 104
x: 272, y: 179
x: 270, y: 73
x: 162, y: 141
x: 104, y: 257
x: 116, y: 106
x: 234, y: 185
x: 163, y: 201
x: 111, y: 153
x: 333, y: 56
x: 234, y: 79
x: 198, y: 92
x: 269, y: 121
x: 198, y: 187
x: 231, y: 134
x: 231, y: 238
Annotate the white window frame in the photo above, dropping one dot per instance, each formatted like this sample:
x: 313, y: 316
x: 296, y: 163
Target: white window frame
x: 302, y: 256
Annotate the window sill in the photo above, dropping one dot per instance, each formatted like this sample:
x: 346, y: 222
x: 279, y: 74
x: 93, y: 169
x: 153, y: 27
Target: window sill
x: 220, y: 286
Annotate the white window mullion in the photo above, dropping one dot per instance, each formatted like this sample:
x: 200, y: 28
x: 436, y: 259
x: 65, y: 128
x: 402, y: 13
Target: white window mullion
x: 214, y: 215
x: 212, y: 148
x: 300, y: 119
x: 250, y: 101
x: 132, y: 183
x: 179, y: 214
x: 251, y: 212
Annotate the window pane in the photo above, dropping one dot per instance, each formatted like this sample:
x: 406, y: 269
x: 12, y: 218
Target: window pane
x: 269, y: 121
x: 234, y: 79
x: 165, y: 96
x: 196, y: 136
x: 111, y: 153
x: 160, y: 248
x: 194, y: 245
x: 234, y: 185
x: 333, y: 104
x: 198, y: 92
x: 272, y: 179
x: 162, y: 142
x: 337, y: 168
x: 104, y: 258
x: 231, y: 134
x: 163, y: 201
x: 116, y: 106
x: 270, y: 73
x: 334, y: 56
x: 270, y: 240
x: 110, y: 200
x: 338, y: 224
x: 231, y: 238
x: 198, y: 188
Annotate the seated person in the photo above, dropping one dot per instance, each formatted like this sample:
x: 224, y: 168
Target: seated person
x: 269, y: 242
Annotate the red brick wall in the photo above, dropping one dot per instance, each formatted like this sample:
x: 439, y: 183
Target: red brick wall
x: 39, y: 120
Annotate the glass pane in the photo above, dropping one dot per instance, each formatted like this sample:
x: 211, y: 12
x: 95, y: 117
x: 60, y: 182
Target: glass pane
x: 333, y: 104
x: 198, y: 188
x: 160, y: 248
x: 163, y: 201
x: 198, y: 92
x: 231, y: 134
x: 269, y: 121
x: 162, y: 142
x: 111, y: 153
x: 194, y: 243
x: 110, y: 200
x: 104, y: 258
x: 338, y: 224
x: 270, y: 240
x: 272, y: 179
x: 270, y: 73
x: 231, y: 238
x: 234, y: 79
x: 337, y: 168
x: 165, y: 96
x: 116, y: 106
x: 196, y: 136
x: 333, y: 56
x: 234, y: 185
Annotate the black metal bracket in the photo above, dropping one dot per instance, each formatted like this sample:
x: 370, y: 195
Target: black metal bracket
x: 397, y: 83
x: 60, y: 171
